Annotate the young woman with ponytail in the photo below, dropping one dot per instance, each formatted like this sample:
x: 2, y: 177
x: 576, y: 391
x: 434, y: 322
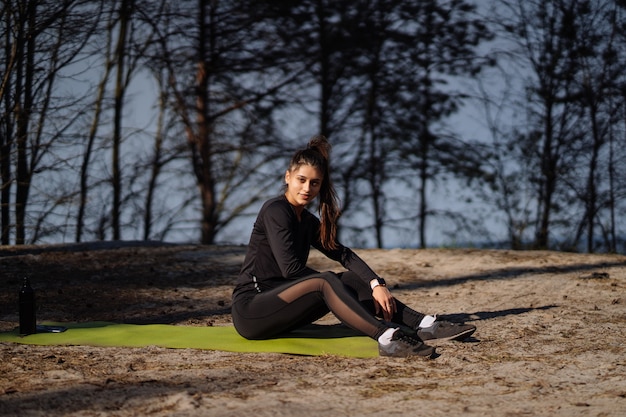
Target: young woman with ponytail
x: 276, y: 292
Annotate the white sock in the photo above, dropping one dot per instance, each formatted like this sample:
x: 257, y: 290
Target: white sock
x: 427, y: 321
x: 385, y: 338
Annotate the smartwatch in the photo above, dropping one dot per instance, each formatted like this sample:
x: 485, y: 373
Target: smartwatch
x: 376, y: 282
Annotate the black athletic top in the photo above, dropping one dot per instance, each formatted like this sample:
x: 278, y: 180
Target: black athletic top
x: 279, y: 249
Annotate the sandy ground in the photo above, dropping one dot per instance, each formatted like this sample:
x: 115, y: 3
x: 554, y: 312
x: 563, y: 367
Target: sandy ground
x: 550, y: 338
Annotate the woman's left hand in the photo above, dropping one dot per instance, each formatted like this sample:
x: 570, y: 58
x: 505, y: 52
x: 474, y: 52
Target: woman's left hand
x: 383, y: 300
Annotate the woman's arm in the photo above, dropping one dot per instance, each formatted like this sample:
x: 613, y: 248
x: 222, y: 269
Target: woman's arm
x: 383, y: 300
x: 349, y: 260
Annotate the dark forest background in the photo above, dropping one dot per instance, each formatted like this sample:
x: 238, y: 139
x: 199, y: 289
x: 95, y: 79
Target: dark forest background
x: 497, y: 122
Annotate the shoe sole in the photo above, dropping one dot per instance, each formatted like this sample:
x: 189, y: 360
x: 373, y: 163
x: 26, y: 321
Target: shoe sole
x: 456, y: 337
x: 427, y: 352
x: 432, y: 355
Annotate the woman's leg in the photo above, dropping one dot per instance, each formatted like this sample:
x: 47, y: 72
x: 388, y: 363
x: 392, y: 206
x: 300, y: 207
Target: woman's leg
x: 442, y: 330
x: 288, y: 307
x: 363, y: 292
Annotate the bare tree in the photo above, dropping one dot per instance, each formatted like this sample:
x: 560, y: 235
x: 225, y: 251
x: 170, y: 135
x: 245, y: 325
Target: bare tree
x: 239, y: 68
x: 600, y: 79
x: 98, y: 109
x: 568, y: 66
x: 542, y: 32
x: 121, y: 55
x: 44, y: 38
x: 445, y: 35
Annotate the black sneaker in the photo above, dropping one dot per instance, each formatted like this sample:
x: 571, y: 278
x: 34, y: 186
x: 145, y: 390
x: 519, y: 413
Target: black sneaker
x: 402, y: 346
x: 445, y: 330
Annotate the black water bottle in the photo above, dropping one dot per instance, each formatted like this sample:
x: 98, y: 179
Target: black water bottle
x: 28, y: 322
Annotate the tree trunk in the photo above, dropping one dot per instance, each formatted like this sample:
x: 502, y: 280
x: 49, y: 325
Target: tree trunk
x: 23, y: 112
x: 120, y: 89
x: 5, y: 186
x: 204, y: 172
x: 546, y: 192
x: 156, y: 160
x: 423, y: 175
x: 84, y: 169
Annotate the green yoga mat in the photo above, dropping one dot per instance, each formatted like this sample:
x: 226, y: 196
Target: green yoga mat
x: 313, y: 340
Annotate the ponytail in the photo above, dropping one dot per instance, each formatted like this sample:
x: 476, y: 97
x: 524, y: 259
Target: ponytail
x: 317, y: 155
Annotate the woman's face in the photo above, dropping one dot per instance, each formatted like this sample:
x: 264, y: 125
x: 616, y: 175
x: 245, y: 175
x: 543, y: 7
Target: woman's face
x: 303, y: 185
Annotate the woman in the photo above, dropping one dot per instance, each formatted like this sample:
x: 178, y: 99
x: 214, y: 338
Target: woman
x: 276, y: 292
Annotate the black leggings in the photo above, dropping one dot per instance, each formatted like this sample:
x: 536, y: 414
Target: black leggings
x: 305, y: 300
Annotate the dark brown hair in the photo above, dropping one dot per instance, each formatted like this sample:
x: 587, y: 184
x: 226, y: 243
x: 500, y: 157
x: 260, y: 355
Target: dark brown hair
x: 317, y: 155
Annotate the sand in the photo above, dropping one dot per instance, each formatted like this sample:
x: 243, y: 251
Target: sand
x: 550, y: 338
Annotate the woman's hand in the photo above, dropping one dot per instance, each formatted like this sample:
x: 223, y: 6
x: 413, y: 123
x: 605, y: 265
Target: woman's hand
x: 383, y: 300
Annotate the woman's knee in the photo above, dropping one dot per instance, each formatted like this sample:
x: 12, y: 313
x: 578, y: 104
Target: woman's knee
x: 357, y: 285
